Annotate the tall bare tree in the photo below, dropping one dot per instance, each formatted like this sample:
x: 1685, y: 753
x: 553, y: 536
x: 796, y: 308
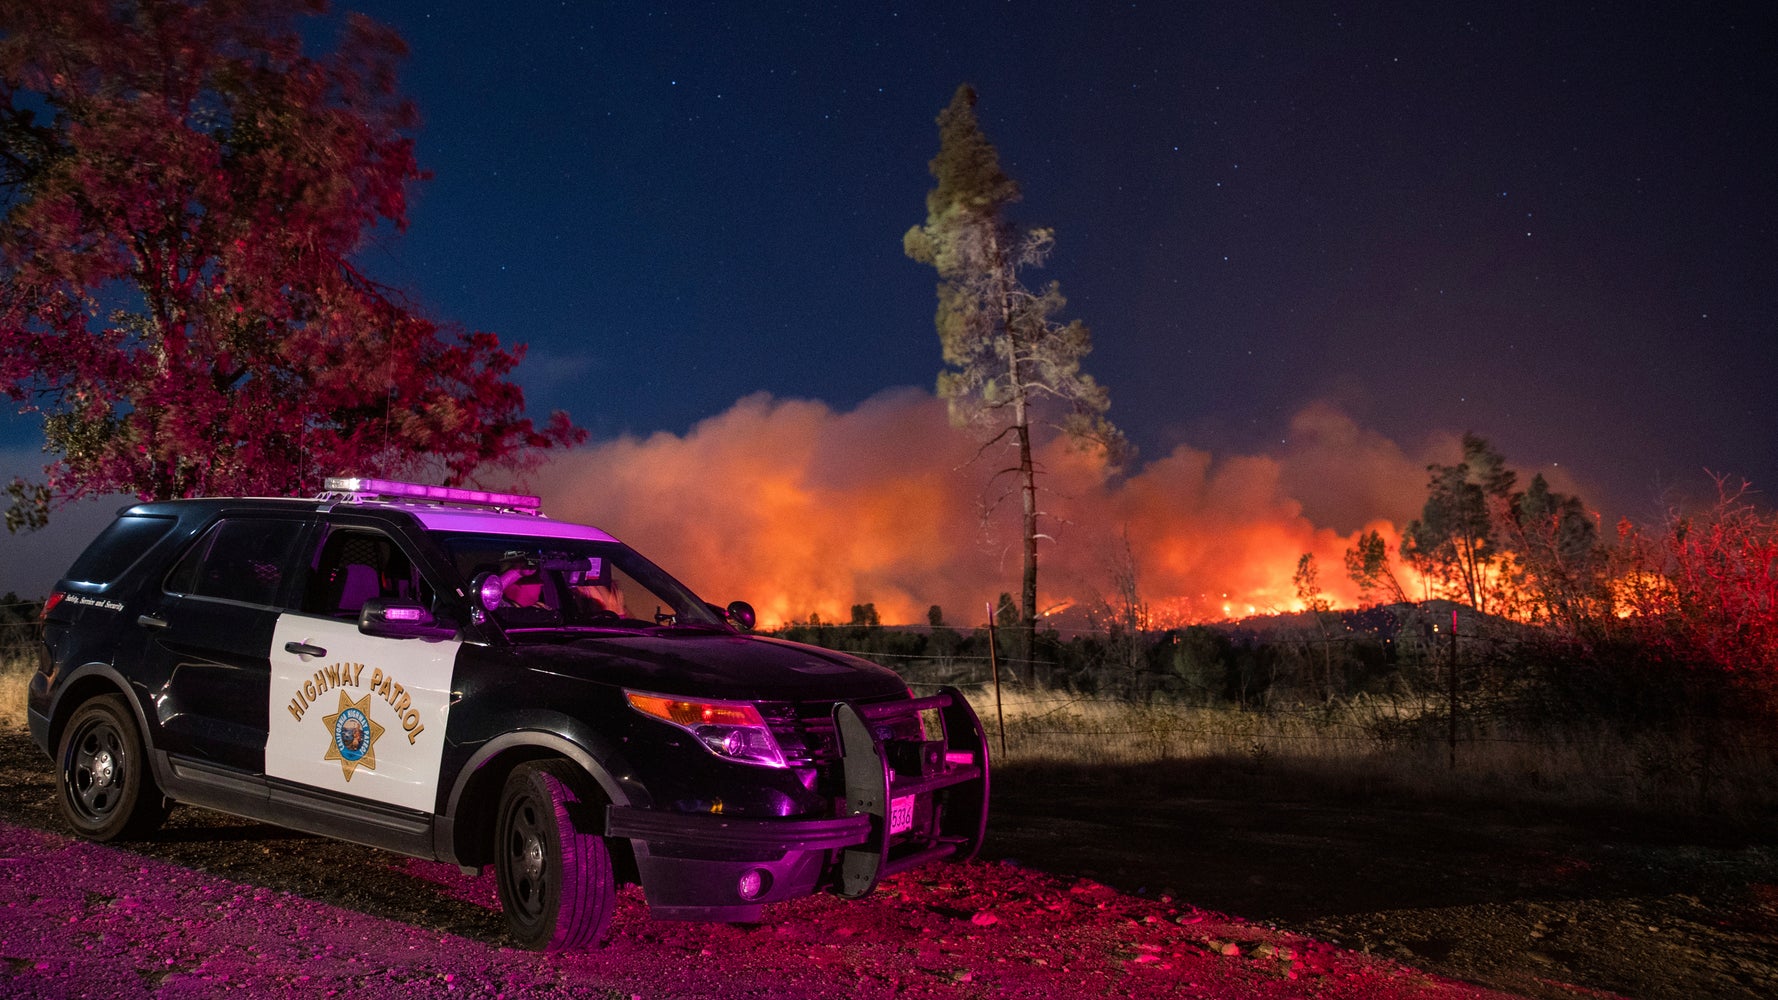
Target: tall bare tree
x: 1011, y: 366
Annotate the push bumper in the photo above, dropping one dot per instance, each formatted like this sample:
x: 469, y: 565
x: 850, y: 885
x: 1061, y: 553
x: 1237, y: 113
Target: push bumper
x: 907, y: 803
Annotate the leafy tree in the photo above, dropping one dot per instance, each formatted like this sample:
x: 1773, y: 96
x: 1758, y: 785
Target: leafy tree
x: 1006, y: 612
x: 1307, y: 579
x: 1455, y: 538
x: 1198, y: 660
x: 183, y: 192
x: 1556, y: 541
x: 1532, y: 554
x: 943, y: 642
x: 1367, y: 564
x: 1012, y: 367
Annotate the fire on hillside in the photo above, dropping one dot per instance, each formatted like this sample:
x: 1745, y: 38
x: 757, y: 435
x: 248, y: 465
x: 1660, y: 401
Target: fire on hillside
x: 804, y: 510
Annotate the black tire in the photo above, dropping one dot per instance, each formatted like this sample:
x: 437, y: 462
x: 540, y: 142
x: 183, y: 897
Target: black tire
x: 102, y: 781
x: 555, y: 879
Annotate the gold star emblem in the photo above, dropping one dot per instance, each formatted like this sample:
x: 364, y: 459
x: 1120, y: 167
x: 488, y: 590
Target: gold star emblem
x: 353, y: 735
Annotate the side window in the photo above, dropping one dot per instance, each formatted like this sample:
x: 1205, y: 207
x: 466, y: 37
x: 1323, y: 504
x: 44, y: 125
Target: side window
x: 354, y: 565
x: 239, y: 559
x: 118, y: 547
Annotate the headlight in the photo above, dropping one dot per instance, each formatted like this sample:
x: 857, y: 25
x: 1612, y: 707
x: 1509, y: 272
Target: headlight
x: 732, y: 730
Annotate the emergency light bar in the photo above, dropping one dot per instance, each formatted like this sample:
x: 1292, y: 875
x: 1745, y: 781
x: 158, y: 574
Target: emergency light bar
x: 365, y: 489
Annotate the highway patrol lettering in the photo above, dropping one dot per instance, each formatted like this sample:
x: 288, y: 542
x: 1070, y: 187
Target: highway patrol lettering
x: 399, y: 700
x: 344, y: 675
x: 326, y: 679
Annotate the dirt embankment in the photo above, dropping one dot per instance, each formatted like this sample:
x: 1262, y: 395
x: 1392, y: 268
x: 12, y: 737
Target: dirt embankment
x: 1109, y: 888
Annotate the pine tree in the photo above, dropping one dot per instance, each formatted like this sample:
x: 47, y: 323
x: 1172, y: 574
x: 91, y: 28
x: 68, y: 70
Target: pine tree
x: 1011, y: 366
x: 1457, y: 535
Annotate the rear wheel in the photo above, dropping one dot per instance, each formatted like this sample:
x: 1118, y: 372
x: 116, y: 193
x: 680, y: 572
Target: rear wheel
x: 555, y: 879
x: 102, y: 782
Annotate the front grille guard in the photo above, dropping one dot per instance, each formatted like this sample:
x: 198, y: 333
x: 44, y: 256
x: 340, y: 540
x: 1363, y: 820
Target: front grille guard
x: 950, y: 773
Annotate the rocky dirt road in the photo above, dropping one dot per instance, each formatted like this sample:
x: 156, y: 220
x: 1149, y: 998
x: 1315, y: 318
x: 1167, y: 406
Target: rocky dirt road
x: 1167, y: 895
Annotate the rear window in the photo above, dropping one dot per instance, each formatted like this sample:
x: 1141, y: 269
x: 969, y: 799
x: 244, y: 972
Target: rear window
x: 118, y: 547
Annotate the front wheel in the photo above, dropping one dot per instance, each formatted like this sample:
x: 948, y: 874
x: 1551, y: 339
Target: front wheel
x: 102, y: 781
x: 555, y: 880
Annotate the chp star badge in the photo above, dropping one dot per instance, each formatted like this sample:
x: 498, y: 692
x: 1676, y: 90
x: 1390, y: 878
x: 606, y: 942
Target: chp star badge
x: 355, y: 734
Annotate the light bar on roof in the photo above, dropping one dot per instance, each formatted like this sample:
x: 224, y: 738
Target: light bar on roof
x: 423, y: 491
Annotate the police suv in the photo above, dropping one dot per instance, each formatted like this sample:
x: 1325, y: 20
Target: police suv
x: 450, y: 674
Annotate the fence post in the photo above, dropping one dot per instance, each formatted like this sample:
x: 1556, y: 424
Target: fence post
x: 1453, y: 731
x: 994, y: 666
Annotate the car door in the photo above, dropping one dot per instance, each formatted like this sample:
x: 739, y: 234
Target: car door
x: 355, y: 714
x: 208, y: 633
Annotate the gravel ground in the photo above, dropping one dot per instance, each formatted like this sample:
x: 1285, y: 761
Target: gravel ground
x: 1165, y: 896
x: 1538, y: 902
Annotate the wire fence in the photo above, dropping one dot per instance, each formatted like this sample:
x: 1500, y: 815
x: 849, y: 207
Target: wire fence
x: 1460, y: 694
x: 21, y: 628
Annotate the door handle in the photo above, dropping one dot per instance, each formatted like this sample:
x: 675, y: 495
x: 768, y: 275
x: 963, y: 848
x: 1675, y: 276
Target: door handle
x: 151, y: 621
x: 304, y: 649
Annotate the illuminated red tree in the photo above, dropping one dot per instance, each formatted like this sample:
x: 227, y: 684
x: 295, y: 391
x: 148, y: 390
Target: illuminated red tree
x: 183, y: 193
x: 1704, y: 589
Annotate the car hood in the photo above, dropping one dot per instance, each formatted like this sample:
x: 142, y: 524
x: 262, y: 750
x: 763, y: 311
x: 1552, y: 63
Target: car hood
x: 708, y: 664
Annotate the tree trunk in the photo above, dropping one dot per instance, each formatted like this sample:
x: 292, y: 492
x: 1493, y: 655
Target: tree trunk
x: 1028, y: 487
x: 1021, y: 419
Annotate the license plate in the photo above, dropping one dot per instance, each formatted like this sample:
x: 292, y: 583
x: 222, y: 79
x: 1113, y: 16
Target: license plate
x: 901, y: 814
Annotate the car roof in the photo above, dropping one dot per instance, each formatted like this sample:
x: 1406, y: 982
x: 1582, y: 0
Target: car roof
x: 458, y: 509
x: 493, y: 522
x: 453, y: 515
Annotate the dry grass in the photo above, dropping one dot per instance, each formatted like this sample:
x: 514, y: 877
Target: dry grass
x: 1372, y: 749
x: 15, y: 675
x: 1360, y: 750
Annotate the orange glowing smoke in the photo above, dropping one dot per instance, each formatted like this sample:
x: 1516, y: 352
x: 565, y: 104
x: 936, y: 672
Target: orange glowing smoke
x: 801, y: 509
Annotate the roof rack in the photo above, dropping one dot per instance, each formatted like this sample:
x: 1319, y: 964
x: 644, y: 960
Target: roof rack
x: 359, y: 490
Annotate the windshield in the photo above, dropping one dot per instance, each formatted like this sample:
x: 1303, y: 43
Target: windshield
x: 553, y: 583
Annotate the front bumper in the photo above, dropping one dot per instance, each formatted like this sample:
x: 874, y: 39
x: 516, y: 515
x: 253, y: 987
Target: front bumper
x: 904, y: 806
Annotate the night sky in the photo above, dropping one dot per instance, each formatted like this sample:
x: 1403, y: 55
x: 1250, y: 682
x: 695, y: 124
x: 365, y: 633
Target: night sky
x: 1549, y: 225
x: 1552, y: 227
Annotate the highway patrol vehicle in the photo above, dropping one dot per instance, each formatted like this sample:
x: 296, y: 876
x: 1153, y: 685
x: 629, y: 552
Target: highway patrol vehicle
x: 452, y: 675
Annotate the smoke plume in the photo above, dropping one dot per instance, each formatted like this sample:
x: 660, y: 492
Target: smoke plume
x: 802, y: 509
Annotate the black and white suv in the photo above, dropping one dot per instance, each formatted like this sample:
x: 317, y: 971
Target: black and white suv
x: 452, y: 675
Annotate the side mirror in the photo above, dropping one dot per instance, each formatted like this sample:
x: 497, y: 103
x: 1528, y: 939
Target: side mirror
x: 741, y: 613
x: 400, y: 620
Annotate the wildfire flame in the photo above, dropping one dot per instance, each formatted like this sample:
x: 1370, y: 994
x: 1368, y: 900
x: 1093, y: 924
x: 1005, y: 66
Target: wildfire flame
x: 801, y: 509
